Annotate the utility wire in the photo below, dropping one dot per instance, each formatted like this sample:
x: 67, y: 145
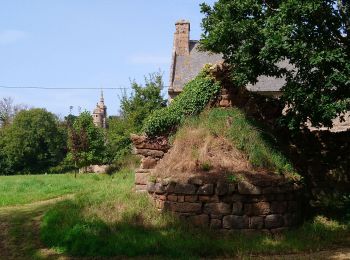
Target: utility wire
x: 57, y: 88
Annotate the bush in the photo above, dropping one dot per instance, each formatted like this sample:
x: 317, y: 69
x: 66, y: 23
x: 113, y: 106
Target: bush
x: 194, y: 98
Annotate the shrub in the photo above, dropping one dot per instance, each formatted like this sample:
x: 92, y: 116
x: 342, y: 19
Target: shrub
x: 194, y: 98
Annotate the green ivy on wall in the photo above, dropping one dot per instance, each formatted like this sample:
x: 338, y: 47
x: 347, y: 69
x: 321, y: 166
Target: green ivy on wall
x: 191, y: 101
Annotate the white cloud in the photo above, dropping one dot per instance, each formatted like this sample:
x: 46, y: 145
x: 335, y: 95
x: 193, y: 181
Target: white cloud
x: 11, y: 36
x: 149, y: 59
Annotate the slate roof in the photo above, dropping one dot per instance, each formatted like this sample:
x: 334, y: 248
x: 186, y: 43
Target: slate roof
x: 185, y: 68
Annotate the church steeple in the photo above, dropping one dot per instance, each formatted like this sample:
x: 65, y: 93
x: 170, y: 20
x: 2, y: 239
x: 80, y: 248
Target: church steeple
x: 100, y: 112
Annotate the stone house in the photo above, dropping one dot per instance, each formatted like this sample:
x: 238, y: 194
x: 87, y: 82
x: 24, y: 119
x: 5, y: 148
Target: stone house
x: 188, y: 60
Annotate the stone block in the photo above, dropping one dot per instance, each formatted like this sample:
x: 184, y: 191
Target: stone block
x: 160, y: 197
x: 217, y: 208
x: 206, y: 189
x: 148, y: 163
x: 191, y: 198
x: 235, y: 222
x: 274, y: 221
x: 278, y: 207
x: 172, y: 197
x: 151, y: 187
x: 256, y: 222
x: 159, y: 188
x: 141, y: 188
x: 199, y: 220
x: 255, y: 209
x: 206, y: 198
x: 186, y: 207
x: 232, y: 198
x: 195, y: 180
x: 149, y: 152
x: 215, y: 224
x: 215, y: 216
x: 245, y: 187
x: 170, y: 188
x: 180, y: 198
x: 188, y: 189
x: 142, y: 178
x: 221, y: 188
x: 237, y: 208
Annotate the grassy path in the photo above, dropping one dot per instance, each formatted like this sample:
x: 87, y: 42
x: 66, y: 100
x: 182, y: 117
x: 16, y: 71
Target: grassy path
x: 19, y: 236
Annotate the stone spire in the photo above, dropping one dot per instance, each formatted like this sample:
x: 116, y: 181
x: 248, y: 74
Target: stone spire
x: 100, y: 113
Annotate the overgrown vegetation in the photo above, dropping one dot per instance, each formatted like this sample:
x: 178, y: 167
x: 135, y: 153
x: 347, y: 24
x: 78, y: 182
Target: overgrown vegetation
x: 312, y: 36
x: 223, y: 141
x: 114, y: 221
x: 32, y: 143
x: 256, y: 142
x: 191, y: 101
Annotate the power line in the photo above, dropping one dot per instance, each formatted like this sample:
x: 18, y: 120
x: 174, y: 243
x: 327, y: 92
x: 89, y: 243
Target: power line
x: 60, y: 88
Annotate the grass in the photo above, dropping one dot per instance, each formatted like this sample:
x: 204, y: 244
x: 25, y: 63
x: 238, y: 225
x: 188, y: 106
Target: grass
x: 261, y: 148
x: 23, y: 189
x: 112, y: 220
x: 106, y: 218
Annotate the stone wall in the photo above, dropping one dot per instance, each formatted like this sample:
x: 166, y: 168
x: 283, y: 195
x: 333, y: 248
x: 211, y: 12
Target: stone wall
x: 265, y: 206
x: 151, y: 151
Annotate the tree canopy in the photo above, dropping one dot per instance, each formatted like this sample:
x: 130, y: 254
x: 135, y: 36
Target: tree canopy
x: 32, y: 143
x: 313, y: 36
x: 144, y: 100
x: 86, y: 142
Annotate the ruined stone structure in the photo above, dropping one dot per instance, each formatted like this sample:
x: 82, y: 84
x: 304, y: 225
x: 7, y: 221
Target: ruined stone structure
x: 266, y: 203
x: 100, y: 113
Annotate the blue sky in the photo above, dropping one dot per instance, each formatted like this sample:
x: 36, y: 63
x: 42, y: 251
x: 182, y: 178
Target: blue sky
x: 86, y: 43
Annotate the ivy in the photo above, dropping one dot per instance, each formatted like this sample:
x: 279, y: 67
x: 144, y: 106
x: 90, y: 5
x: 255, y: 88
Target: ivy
x: 191, y: 101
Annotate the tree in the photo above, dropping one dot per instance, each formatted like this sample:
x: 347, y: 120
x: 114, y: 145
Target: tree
x: 143, y: 101
x: 32, y: 143
x: 8, y: 110
x: 254, y: 36
x: 86, y: 142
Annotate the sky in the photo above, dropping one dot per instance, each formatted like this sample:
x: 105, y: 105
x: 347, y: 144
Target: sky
x: 86, y: 43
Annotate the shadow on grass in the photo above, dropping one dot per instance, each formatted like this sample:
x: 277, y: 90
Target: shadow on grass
x: 20, y: 232
x: 66, y: 227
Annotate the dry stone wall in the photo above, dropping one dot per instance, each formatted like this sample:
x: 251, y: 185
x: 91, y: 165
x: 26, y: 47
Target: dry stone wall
x: 151, y: 151
x: 256, y: 203
x: 232, y: 206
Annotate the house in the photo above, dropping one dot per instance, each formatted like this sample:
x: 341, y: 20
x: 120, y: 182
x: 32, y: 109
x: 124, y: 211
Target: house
x: 188, y: 60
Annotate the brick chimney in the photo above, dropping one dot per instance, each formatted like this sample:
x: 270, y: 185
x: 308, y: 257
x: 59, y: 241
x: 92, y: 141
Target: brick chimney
x: 182, y: 38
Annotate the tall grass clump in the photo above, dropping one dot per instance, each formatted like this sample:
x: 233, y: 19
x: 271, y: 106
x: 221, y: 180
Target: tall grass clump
x: 191, y: 101
x: 257, y: 143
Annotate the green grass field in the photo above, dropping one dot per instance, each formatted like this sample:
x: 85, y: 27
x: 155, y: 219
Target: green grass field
x: 24, y: 189
x: 107, y: 218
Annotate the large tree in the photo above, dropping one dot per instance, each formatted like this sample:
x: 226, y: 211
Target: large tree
x: 86, y: 142
x: 32, y: 143
x: 313, y: 36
